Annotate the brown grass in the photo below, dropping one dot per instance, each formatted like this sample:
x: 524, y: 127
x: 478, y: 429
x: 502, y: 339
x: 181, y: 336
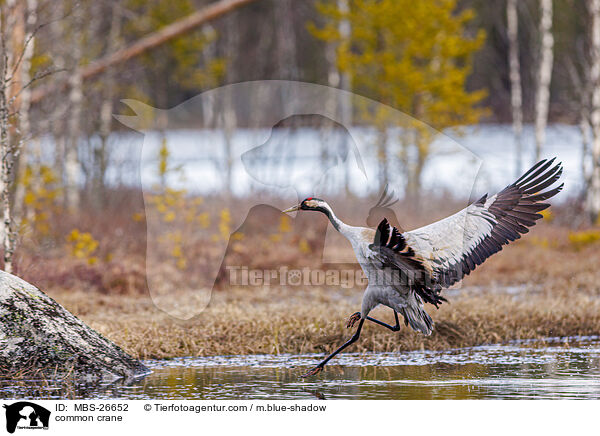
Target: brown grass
x: 561, y: 292
x: 272, y: 320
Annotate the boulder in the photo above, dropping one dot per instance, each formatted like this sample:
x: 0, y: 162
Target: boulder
x: 39, y: 335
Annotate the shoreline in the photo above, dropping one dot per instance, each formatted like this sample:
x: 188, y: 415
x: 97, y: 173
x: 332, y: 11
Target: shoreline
x: 242, y: 323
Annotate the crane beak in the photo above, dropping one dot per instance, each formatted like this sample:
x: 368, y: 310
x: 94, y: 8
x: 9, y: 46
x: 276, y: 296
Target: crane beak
x: 292, y: 209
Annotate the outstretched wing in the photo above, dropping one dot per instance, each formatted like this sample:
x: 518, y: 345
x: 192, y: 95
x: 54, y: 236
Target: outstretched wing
x: 451, y: 248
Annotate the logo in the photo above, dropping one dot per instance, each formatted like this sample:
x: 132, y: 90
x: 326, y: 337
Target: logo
x: 26, y: 415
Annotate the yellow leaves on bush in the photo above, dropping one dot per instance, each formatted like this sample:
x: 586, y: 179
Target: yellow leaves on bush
x: 82, y: 245
x: 544, y: 243
x: 224, y: 224
x: 163, y: 159
x: 275, y: 237
x: 41, y: 193
x: 584, y: 238
x: 204, y: 220
x: 285, y: 224
x: 547, y: 215
x: 175, y: 241
x: 169, y: 217
x: 303, y: 246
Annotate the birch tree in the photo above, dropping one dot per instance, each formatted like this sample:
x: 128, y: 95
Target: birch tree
x: 516, y: 99
x: 544, y: 76
x: 593, y: 194
x: 106, y: 109
x: 25, y: 103
x: 75, y: 113
x: 413, y: 56
x: 14, y: 51
x: 337, y: 78
x: 6, y: 150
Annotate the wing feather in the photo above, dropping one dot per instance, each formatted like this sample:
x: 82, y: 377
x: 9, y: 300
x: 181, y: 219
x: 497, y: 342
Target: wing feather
x: 442, y: 253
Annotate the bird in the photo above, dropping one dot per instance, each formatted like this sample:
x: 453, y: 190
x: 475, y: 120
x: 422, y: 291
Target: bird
x: 406, y: 270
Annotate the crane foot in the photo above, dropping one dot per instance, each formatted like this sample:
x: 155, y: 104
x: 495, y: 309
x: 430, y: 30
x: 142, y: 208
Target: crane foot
x: 353, y: 319
x: 314, y: 371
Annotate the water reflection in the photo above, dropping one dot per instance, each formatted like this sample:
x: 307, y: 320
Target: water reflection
x: 551, y: 369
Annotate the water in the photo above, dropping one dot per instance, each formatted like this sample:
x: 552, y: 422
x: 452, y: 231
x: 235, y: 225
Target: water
x: 556, y: 368
x: 454, y: 164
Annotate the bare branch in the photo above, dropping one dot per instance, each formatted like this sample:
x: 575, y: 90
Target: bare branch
x: 178, y: 28
x: 29, y: 39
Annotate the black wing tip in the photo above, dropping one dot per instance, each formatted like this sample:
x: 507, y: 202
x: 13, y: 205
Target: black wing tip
x: 537, y: 169
x: 541, y: 176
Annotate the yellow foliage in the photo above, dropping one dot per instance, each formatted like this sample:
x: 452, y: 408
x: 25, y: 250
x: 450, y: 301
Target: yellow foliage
x: 303, y: 246
x: 163, y: 156
x: 82, y: 245
x: 414, y: 56
x: 237, y: 236
x: 177, y: 251
x: 581, y: 239
x: 544, y: 243
x: 285, y: 224
x: 40, y: 197
x: 181, y: 263
x: 224, y: 224
x: 169, y: 217
x: 276, y: 237
x: 204, y: 220
x: 547, y: 215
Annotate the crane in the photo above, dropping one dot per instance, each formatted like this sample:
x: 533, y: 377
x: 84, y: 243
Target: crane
x: 405, y: 270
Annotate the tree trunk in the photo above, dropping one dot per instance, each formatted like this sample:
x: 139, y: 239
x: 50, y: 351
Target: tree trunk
x: 382, y: 157
x: 106, y: 109
x: 37, y: 333
x: 5, y: 170
x: 7, y: 150
x: 345, y: 103
x: 593, y: 199
x: 286, y: 40
x: 74, y: 123
x: 544, y: 76
x: 25, y: 103
x: 516, y: 99
x: 228, y: 114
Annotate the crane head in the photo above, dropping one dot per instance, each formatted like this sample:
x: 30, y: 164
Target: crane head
x: 309, y: 203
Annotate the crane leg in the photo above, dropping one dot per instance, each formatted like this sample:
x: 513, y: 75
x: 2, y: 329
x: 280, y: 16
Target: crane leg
x: 356, y: 316
x: 353, y: 339
x: 394, y: 328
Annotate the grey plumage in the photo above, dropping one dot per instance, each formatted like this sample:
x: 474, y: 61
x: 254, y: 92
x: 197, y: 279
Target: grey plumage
x: 407, y: 269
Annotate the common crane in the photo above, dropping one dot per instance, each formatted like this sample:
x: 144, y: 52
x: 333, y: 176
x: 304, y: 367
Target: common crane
x: 407, y: 269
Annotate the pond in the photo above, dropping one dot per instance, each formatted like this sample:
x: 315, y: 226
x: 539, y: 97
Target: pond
x: 555, y: 368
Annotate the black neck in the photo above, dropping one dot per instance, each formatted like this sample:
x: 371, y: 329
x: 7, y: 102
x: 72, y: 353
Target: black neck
x: 332, y: 218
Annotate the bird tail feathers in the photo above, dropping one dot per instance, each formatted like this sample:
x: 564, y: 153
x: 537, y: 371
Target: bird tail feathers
x: 419, y: 320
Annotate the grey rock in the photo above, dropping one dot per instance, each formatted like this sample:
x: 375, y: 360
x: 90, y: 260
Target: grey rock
x: 38, y: 333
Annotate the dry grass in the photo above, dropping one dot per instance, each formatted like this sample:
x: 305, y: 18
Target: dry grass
x: 273, y: 320
x: 561, y: 296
